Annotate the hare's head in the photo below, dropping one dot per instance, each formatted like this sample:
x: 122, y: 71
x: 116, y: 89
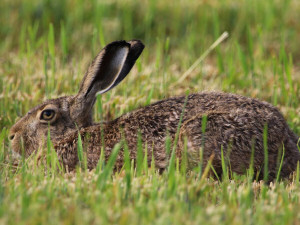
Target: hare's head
x: 65, y: 114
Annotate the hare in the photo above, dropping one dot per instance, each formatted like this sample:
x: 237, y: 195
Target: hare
x: 233, y: 123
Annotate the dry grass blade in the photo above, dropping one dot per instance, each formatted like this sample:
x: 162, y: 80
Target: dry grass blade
x: 202, y: 57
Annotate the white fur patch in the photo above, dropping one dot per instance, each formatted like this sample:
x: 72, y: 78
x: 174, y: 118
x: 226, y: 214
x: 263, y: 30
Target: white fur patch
x: 33, y: 125
x: 65, y: 106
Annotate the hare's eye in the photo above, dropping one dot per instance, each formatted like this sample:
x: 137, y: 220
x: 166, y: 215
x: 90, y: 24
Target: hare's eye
x: 47, y: 114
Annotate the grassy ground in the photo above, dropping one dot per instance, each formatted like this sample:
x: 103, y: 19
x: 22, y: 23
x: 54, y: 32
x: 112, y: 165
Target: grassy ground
x: 47, y: 45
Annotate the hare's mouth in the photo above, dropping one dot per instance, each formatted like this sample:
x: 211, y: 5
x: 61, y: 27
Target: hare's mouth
x: 15, y: 155
x: 18, y: 149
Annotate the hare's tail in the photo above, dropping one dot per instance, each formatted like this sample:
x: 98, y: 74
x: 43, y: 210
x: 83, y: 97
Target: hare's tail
x: 292, y: 154
x: 296, y: 137
x: 293, y: 141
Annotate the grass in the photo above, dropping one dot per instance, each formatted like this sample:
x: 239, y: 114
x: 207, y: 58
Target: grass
x: 47, y: 45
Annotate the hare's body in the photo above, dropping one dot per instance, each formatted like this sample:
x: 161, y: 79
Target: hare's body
x: 235, y: 124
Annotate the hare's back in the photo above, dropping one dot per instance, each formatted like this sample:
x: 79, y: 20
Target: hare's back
x: 229, y: 118
x: 205, y: 103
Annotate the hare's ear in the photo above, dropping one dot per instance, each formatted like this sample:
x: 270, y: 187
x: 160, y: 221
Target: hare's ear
x: 107, y: 70
x: 110, y: 67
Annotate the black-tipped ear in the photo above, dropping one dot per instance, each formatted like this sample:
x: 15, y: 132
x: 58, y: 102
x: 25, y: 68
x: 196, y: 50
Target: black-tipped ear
x: 110, y: 67
x: 136, y: 48
x: 107, y: 70
x: 104, y: 69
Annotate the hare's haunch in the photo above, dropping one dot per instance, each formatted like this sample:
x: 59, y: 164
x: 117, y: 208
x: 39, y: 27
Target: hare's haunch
x: 233, y: 123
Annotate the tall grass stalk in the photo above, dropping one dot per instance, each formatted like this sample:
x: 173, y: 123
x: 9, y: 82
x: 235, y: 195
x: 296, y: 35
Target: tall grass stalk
x: 266, y: 154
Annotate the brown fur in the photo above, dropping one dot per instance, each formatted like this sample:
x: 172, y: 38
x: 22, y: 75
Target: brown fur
x: 234, y: 124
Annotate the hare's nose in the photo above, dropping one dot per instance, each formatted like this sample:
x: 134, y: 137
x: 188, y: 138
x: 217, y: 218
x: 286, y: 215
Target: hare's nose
x: 11, y: 137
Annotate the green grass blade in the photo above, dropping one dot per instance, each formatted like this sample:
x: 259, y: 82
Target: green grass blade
x: 140, y: 155
x: 108, y: 169
x: 280, y: 165
x: 266, y: 158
